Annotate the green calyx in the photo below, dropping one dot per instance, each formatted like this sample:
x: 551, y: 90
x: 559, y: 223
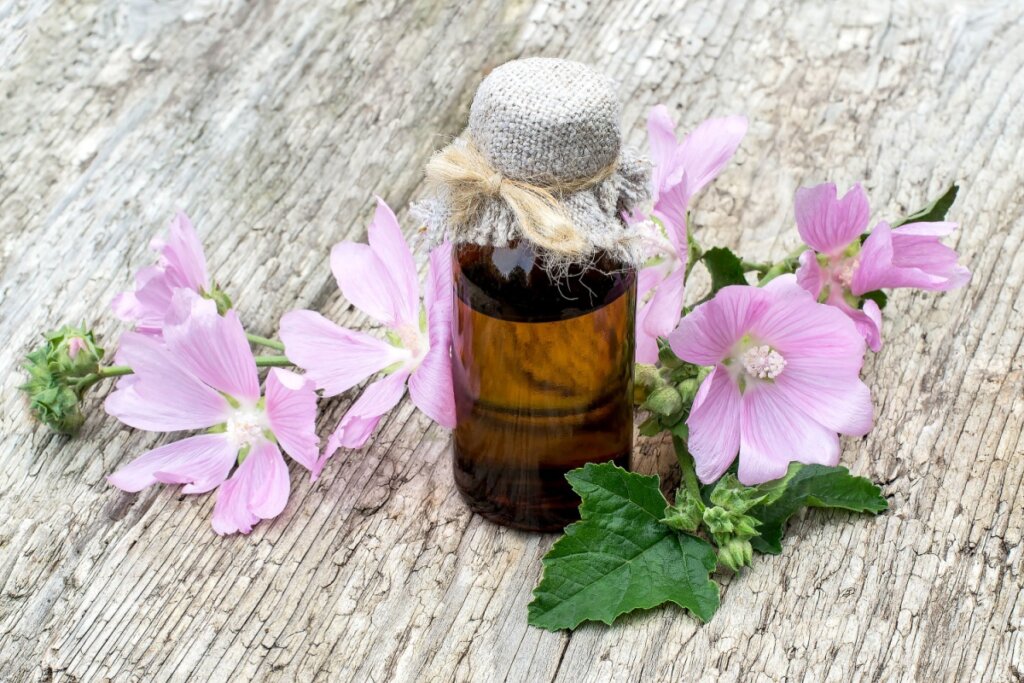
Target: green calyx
x: 219, y: 297
x: 59, y: 372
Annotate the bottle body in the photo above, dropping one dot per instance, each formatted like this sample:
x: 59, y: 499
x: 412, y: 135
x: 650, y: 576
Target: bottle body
x: 543, y: 378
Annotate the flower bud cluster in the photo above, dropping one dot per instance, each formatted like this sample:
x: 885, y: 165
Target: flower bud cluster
x: 59, y: 372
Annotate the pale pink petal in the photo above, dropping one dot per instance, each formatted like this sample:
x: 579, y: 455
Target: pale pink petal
x: 258, y: 490
x: 201, y: 461
x: 662, y: 139
x: 212, y: 347
x: 336, y: 359
x: 183, y: 256
x: 817, y: 336
x: 910, y: 256
x: 430, y: 385
x: 809, y: 275
x: 388, y: 243
x: 162, y: 395
x: 773, y: 434
x: 646, y: 343
x: 870, y: 326
x: 147, y: 306
x: 708, y: 333
x: 671, y: 208
x: 362, y: 417
x: 828, y: 224
x: 709, y: 147
x: 714, y: 424
x: 365, y: 281
x: 291, y: 411
x: 666, y: 306
x: 648, y: 278
x: 843, y: 404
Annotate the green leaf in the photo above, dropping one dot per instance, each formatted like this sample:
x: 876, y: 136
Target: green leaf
x: 725, y: 268
x: 936, y: 211
x: 619, y: 557
x: 878, y: 296
x: 810, y: 486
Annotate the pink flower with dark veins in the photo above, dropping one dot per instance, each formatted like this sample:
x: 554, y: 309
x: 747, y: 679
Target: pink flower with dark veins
x: 785, y: 381
x: 681, y: 170
x: 180, y: 265
x: 380, y: 279
x: 839, y: 270
x: 202, y: 375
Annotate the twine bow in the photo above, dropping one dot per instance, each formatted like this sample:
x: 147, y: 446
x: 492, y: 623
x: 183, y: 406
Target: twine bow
x: 470, y: 179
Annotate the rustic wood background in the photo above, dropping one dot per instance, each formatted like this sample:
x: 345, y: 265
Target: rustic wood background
x: 274, y: 123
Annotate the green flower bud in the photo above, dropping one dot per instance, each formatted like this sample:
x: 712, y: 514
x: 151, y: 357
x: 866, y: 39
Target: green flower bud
x: 664, y: 401
x: 686, y: 514
x: 688, y: 389
x: 736, y: 554
x: 646, y: 379
x: 718, y: 521
x: 58, y: 374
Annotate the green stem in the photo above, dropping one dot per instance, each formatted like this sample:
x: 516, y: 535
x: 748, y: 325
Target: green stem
x: 749, y: 266
x: 686, y: 464
x: 273, y: 362
x: 264, y: 341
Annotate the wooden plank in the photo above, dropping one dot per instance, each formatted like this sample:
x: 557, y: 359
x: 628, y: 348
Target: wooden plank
x: 274, y: 123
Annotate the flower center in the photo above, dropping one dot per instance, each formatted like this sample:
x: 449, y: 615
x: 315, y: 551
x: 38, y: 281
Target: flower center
x: 843, y: 271
x: 763, y: 362
x: 245, y: 426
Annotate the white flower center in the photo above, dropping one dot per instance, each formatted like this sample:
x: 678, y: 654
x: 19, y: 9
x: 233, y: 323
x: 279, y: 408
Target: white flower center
x: 843, y: 271
x: 245, y: 426
x: 763, y: 362
x: 414, y: 340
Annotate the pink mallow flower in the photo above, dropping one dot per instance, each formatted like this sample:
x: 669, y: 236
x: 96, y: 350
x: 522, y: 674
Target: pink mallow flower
x: 380, y: 279
x: 785, y: 381
x: 180, y: 265
x: 839, y: 270
x: 202, y: 375
x: 681, y: 170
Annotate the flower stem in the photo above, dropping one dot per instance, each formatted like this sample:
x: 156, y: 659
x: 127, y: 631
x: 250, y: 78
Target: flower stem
x: 264, y: 341
x: 686, y: 464
x: 273, y: 362
x: 748, y: 266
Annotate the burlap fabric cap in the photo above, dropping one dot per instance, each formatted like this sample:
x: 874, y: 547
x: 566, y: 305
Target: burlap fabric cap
x: 551, y: 123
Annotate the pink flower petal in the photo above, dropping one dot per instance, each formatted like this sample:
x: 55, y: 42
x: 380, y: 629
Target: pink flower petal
x: 671, y: 208
x: 773, y: 434
x: 666, y: 306
x: 709, y: 147
x: 662, y: 139
x: 707, y: 335
x: 812, y: 335
x: 809, y: 275
x: 430, y: 385
x: 214, y: 348
x: 183, y: 254
x: 388, y: 243
x: 714, y: 424
x: 870, y: 326
x: 362, y: 417
x: 828, y: 224
x: 291, y: 411
x: 842, y: 404
x: 202, y: 462
x: 335, y: 358
x: 646, y: 343
x: 910, y: 256
x: 258, y: 490
x: 162, y: 395
x: 379, y: 278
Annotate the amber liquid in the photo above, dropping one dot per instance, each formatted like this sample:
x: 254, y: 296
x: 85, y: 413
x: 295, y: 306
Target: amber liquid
x: 543, y: 375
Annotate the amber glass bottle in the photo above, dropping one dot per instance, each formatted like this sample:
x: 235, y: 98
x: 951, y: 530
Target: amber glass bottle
x: 543, y: 374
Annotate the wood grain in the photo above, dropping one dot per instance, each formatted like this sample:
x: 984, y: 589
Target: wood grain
x: 273, y: 124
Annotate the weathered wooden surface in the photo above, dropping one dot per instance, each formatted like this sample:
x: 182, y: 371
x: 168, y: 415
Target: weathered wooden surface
x: 274, y: 123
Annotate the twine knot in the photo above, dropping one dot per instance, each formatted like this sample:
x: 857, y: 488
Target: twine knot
x: 469, y: 180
